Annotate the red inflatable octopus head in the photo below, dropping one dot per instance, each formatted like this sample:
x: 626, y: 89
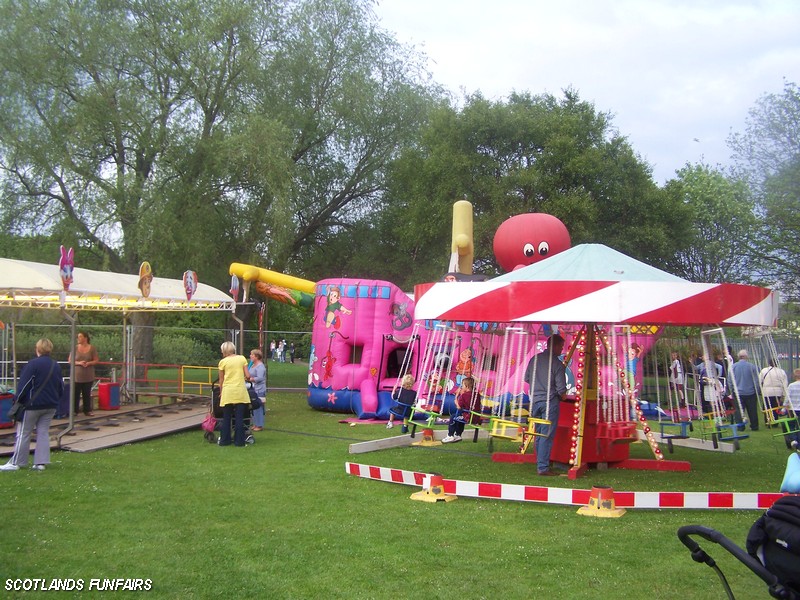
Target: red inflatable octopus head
x: 525, y: 239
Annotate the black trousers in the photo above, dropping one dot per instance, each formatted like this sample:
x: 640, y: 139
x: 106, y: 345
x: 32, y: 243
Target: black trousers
x: 83, y: 389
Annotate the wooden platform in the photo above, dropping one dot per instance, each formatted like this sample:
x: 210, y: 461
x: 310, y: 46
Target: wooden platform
x: 131, y: 423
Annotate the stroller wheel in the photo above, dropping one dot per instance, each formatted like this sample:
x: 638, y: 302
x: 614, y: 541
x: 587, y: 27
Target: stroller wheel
x: 209, y: 435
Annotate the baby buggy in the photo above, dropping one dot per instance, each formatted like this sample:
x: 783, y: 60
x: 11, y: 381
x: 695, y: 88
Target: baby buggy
x: 773, y: 543
x: 778, y: 588
x: 214, y: 421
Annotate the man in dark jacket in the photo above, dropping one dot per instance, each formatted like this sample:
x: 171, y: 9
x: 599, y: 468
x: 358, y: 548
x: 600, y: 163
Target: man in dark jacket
x: 40, y: 388
x: 774, y: 538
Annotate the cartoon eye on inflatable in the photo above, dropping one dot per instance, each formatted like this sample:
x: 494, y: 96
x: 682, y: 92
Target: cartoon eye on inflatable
x: 528, y: 250
x: 544, y: 248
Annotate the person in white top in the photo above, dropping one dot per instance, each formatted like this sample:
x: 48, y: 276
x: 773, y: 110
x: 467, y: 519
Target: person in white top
x: 676, y: 377
x: 773, y: 382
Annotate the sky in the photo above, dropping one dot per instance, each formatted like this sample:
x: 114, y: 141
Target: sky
x: 677, y: 76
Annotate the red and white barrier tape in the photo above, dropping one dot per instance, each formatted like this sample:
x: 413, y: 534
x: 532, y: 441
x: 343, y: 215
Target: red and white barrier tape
x: 551, y: 495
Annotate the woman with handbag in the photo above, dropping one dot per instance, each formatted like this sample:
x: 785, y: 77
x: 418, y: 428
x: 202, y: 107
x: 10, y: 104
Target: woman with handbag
x: 234, y: 399
x: 41, y: 386
x: 258, y: 377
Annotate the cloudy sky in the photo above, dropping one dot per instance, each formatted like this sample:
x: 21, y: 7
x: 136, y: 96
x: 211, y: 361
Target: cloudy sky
x: 677, y: 75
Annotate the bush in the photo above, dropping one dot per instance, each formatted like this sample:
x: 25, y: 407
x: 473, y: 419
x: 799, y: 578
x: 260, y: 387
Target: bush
x: 182, y: 350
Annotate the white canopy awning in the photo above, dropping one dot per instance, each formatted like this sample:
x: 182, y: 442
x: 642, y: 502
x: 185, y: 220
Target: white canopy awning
x: 25, y: 284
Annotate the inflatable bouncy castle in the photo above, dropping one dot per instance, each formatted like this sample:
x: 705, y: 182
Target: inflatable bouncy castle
x: 362, y: 331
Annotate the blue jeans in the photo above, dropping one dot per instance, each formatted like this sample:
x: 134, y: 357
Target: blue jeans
x: 259, y: 414
x: 237, y: 412
x: 544, y: 442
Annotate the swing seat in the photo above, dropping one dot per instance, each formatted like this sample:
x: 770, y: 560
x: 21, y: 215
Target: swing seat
x: 620, y: 432
x: 516, y: 430
x: 680, y: 433
x: 507, y: 430
x: 401, y: 410
x: 787, y: 424
x: 730, y: 431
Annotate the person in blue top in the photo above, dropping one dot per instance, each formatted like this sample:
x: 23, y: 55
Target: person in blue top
x: 745, y: 374
x: 547, y: 380
x: 41, y: 386
x: 258, y: 377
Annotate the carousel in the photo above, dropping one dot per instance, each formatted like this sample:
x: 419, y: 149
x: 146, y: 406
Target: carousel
x: 611, y: 309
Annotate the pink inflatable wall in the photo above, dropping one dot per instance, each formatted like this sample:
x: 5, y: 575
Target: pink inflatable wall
x: 360, y: 334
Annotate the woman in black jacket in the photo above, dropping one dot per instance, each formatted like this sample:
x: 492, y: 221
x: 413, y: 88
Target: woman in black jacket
x: 41, y: 386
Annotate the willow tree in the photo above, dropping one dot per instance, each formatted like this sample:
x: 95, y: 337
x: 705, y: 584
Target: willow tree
x: 197, y: 133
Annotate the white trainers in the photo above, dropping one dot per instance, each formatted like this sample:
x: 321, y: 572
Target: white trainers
x: 9, y: 467
x: 456, y: 438
x: 389, y: 425
x: 38, y: 467
x: 448, y: 439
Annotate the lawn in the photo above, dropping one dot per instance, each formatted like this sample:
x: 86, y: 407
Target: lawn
x: 281, y: 519
x: 280, y: 376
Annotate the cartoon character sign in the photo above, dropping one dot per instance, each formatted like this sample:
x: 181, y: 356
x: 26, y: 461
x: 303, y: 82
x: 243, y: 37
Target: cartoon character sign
x: 525, y: 239
x: 464, y: 365
x: 190, y: 283
x: 145, y: 279
x: 235, y: 288
x: 634, y: 352
x: 65, y: 266
x: 334, y: 306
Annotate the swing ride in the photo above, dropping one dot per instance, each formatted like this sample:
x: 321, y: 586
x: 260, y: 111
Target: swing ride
x: 612, y: 308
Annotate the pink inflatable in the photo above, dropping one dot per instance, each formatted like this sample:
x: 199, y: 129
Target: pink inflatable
x: 360, y: 334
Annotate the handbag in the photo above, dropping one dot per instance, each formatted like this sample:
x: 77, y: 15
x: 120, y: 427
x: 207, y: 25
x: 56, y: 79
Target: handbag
x: 255, y: 401
x: 18, y: 406
x: 209, y: 423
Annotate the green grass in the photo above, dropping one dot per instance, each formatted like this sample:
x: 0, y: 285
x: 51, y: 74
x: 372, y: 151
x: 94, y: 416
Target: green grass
x: 282, y: 519
x: 279, y: 375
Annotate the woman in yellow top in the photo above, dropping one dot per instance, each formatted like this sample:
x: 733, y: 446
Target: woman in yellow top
x: 234, y: 399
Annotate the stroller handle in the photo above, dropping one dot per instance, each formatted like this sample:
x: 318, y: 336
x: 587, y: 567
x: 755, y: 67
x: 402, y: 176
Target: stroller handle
x: 776, y: 588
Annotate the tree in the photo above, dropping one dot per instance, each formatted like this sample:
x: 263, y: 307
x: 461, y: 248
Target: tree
x: 767, y: 154
x: 722, y: 225
x: 525, y: 154
x: 194, y: 134
x: 239, y: 122
x: 114, y: 123
x: 355, y: 99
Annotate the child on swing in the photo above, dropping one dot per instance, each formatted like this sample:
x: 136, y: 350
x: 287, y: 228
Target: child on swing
x: 405, y: 398
x: 468, y: 403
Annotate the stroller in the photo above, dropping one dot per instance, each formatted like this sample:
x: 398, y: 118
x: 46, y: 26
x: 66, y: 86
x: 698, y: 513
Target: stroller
x: 213, y: 421
x: 777, y: 589
x: 774, y: 538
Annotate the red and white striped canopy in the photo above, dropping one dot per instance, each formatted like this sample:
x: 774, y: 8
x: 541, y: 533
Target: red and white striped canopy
x: 595, y: 284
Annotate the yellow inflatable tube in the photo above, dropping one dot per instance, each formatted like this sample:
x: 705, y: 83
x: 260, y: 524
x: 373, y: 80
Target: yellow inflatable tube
x: 251, y: 273
x: 462, y: 248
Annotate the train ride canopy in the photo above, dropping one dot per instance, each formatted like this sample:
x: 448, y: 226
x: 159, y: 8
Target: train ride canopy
x: 26, y: 284
x: 592, y: 283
